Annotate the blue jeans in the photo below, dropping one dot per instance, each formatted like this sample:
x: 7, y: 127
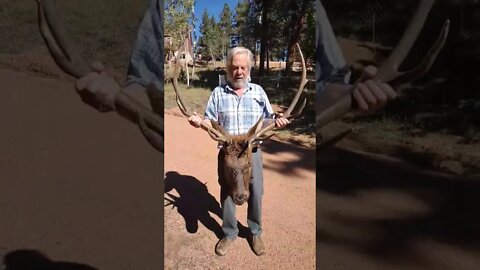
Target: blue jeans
x: 254, y: 211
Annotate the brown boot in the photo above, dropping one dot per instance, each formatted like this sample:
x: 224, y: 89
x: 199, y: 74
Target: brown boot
x: 223, y: 245
x: 257, y: 245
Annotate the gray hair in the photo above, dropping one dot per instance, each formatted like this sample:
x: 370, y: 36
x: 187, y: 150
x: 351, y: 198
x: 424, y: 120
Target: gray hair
x: 239, y: 50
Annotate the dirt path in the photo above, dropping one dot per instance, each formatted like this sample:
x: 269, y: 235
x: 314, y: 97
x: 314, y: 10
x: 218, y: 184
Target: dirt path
x: 191, y: 229
x: 374, y: 214
x: 76, y: 185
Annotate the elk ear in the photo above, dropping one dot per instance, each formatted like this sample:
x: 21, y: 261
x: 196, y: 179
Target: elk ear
x: 249, y: 146
x: 256, y: 144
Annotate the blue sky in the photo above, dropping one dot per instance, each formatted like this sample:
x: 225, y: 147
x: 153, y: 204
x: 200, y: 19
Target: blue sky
x: 214, y: 7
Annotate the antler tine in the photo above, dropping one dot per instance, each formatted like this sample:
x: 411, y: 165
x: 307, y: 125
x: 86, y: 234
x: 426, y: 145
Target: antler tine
x: 331, y: 106
x: 288, y: 113
x: 300, y: 88
x: 214, y: 133
x: 53, y: 45
x: 153, y: 138
x: 70, y: 61
x: 388, y: 70
x: 320, y: 145
x: 58, y: 33
x: 299, y: 111
x: 217, y: 133
x: 178, y: 97
x: 427, y: 61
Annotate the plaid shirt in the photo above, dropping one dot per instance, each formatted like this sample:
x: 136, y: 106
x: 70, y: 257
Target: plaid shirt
x: 146, y: 59
x: 238, y: 114
x: 331, y: 66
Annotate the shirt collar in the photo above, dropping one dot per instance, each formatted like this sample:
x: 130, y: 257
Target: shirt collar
x: 248, y: 87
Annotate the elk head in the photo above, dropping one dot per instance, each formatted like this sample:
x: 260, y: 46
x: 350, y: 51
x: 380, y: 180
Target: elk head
x: 236, y: 156
x: 332, y: 105
x: 235, y: 162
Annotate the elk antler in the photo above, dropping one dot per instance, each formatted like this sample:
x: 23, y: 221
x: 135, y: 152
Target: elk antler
x: 331, y: 106
x: 260, y: 133
x: 70, y: 61
x: 216, y: 135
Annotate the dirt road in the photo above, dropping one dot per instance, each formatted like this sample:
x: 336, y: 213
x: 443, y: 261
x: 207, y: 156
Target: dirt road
x: 373, y: 214
x: 193, y: 227
x: 76, y: 185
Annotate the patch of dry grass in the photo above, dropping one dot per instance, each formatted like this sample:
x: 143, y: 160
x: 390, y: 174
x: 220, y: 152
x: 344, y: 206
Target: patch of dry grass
x: 195, y: 98
x: 102, y: 30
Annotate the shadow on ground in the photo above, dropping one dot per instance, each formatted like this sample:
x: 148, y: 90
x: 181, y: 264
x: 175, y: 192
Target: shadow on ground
x: 305, y: 160
x: 387, y: 209
x: 35, y: 260
x: 193, y: 202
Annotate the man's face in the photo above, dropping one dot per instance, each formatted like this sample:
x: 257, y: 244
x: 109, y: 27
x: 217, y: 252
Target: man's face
x: 239, y: 71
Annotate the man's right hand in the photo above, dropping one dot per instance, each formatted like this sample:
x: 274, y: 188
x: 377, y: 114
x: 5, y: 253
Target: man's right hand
x: 98, y: 89
x: 195, y: 120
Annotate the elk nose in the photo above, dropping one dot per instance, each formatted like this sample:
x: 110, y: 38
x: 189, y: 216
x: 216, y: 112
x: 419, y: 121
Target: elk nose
x: 240, y: 197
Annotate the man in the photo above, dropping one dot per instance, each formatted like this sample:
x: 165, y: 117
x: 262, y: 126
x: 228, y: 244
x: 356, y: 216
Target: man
x: 145, y: 71
x: 237, y: 106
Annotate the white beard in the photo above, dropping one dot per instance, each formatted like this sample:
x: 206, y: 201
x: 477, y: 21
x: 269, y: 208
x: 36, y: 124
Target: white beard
x: 238, y: 83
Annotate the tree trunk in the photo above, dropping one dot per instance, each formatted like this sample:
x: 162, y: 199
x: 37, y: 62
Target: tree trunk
x: 268, y: 59
x: 213, y: 59
x: 298, y: 26
x: 264, y: 37
x: 188, y: 74
x: 169, y: 61
x: 193, y: 70
x: 255, y: 55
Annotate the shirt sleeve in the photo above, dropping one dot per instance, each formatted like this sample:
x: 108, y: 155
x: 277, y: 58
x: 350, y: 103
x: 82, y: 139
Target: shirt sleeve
x: 331, y: 65
x: 211, y: 111
x: 268, y: 111
x: 146, y: 59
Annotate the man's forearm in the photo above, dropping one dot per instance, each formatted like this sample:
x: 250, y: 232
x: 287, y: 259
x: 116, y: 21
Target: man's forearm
x: 205, y: 123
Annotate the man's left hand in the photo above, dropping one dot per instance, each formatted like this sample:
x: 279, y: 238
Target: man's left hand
x: 281, y: 122
x: 370, y: 94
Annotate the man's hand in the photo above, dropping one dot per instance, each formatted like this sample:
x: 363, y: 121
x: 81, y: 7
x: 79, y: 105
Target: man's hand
x: 281, y: 122
x: 98, y: 88
x: 195, y: 120
x: 370, y: 94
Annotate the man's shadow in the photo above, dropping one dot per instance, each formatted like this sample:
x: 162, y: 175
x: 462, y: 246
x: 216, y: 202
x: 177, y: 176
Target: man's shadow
x: 33, y: 260
x: 194, y: 202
